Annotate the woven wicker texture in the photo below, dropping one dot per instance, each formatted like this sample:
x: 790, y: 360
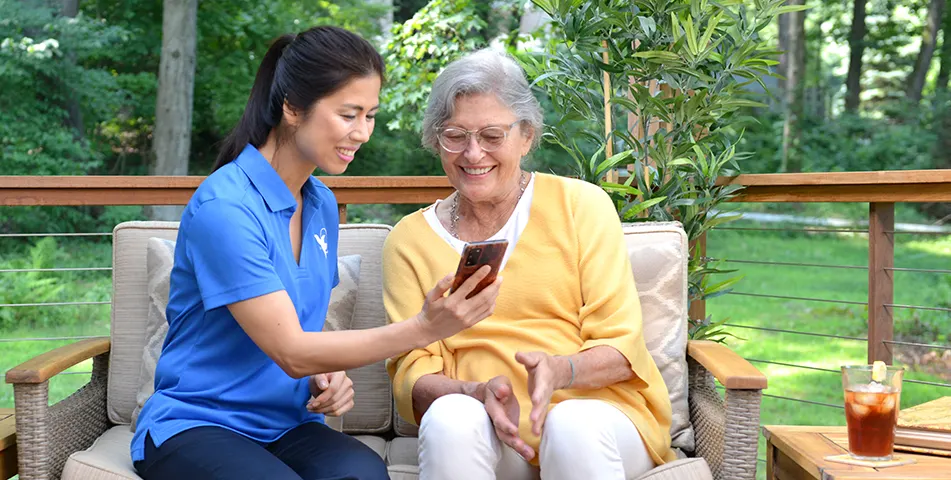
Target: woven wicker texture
x: 726, y: 431
x: 47, y: 435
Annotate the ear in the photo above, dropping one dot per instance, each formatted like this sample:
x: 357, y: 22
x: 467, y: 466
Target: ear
x: 291, y: 115
x: 527, y: 138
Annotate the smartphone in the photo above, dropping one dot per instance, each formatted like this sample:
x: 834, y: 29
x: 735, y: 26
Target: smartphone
x: 474, y: 256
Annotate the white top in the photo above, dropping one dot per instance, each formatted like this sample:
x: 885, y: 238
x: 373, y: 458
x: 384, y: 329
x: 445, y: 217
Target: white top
x: 512, y: 229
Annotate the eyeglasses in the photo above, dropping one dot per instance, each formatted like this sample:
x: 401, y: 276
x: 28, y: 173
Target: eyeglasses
x: 455, y: 140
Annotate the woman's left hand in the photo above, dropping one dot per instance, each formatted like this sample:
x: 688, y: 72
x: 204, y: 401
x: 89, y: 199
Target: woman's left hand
x: 331, y: 394
x: 544, y: 377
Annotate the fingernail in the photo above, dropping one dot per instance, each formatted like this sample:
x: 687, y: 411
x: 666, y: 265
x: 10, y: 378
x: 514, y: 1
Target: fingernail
x: 322, y: 384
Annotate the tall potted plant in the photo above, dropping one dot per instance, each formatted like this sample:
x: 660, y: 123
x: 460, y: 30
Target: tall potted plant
x: 658, y: 86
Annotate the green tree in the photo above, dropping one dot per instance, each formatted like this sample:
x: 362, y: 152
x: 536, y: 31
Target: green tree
x: 674, y: 73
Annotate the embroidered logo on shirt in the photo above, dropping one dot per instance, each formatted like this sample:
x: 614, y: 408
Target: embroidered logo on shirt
x: 322, y: 240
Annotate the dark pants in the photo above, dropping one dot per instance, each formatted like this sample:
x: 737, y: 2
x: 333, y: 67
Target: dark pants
x: 312, y: 451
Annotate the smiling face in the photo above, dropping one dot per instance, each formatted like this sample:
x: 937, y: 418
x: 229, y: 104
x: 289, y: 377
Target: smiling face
x: 478, y: 175
x: 337, y: 125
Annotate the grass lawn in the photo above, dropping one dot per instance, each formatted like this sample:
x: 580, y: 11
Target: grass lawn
x: 924, y: 289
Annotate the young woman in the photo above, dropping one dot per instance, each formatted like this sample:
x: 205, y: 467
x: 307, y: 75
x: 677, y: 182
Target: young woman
x: 246, y: 375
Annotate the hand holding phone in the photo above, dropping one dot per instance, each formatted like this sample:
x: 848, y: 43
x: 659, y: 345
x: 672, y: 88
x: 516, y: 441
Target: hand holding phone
x: 475, y: 255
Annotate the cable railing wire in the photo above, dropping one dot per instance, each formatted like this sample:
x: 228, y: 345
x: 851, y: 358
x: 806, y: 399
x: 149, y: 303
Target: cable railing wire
x: 807, y: 299
x: 792, y: 399
x: 808, y: 230
x: 58, y: 269
x: 812, y: 402
x: 51, y: 304
x: 918, y: 307
x: 46, y: 339
x: 796, y: 332
x: 788, y: 264
x: 919, y: 270
x: 925, y: 382
x: 913, y: 344
x: 21, y: 235
x: 793, y: 365
x: 912, y: 232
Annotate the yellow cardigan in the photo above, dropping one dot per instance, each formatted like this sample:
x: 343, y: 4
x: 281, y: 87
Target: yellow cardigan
x: 567, y: 287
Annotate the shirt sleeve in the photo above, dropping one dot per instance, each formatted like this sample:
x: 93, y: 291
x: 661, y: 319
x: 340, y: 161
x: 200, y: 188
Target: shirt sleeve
x: 403, y: 298
x: 611, y: 314
x: 228, y: 250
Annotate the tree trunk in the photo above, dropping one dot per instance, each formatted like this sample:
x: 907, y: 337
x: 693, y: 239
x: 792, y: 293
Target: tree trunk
x: 70, y: 8
x: 944, y: 58
x: 853, y: 83
x: 795, y: 73
x: 916, y: 81
x: 783, y: 66
x: 386, y: 21
x: 173, y: 110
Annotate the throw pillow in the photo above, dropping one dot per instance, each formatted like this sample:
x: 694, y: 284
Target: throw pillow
x: 343, y: 298
x: 159, y: 258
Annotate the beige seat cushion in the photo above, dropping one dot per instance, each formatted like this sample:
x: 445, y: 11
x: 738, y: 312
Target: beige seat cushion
x: 403, y: 451
x: 685, y: 469
x: 658, y: 253
x: 403, y: 472
x: 108, y: 458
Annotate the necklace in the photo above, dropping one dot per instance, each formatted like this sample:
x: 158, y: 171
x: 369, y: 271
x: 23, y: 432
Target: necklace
x: 454, y: 209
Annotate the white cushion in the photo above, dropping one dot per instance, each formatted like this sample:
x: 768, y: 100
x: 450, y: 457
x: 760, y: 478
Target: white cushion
x: 109, y: 458
x: 658, y: 253
x: 683, y: 469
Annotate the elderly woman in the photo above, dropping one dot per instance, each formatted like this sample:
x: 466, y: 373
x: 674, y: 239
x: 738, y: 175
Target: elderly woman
x: 557, y: 382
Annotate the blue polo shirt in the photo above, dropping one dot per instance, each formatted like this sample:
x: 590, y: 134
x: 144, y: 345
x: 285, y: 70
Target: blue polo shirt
x: 234, y: 244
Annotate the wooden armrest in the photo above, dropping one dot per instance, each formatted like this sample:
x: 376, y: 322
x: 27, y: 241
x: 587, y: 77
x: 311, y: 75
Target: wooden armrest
x: 42, y: 367
x: 730, y: 369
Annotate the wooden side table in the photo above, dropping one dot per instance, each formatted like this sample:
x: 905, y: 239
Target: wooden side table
x: 8, y: 444
x: 795, y: 453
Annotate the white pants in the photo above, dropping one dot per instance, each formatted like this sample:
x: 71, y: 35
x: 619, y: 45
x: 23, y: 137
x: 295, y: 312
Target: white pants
x: 581, y: 440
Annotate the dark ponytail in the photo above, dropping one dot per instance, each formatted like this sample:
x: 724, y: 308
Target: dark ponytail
x: 299, y: 69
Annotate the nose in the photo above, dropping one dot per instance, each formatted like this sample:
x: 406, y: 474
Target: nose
x: 362, y: 132
x: 473, y: 151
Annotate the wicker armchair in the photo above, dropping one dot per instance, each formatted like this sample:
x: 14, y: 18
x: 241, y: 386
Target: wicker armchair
x: 86, y: 435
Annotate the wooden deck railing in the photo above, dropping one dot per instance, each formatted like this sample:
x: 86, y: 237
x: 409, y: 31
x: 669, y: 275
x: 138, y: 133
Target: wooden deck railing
x: 881, y: 190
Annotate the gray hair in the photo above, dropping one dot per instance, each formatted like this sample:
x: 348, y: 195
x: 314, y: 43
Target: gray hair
x: 483, y: 71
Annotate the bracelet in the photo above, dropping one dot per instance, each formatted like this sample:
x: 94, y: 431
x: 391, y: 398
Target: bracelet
x: 572, y: 364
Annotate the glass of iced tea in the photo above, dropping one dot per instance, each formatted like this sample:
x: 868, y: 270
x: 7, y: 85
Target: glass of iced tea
x: 872, y: 400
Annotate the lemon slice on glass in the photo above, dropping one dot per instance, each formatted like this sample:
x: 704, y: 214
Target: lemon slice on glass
x: 878, y: 371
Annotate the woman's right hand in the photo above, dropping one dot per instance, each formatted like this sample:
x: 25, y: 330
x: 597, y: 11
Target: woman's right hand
x: 502, y: 407
x: 446, y: 315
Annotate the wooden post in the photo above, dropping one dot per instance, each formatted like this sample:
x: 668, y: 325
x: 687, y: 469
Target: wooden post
x: 698, y: 308
x: 342, y: 210
x: 881, y: 286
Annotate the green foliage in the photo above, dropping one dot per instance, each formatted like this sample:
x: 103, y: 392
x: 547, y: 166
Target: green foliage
x: 703, y: 54
x: 34, y: 287
x: 848, y: 143
x: 44, y: 66
x: 419, y: 49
